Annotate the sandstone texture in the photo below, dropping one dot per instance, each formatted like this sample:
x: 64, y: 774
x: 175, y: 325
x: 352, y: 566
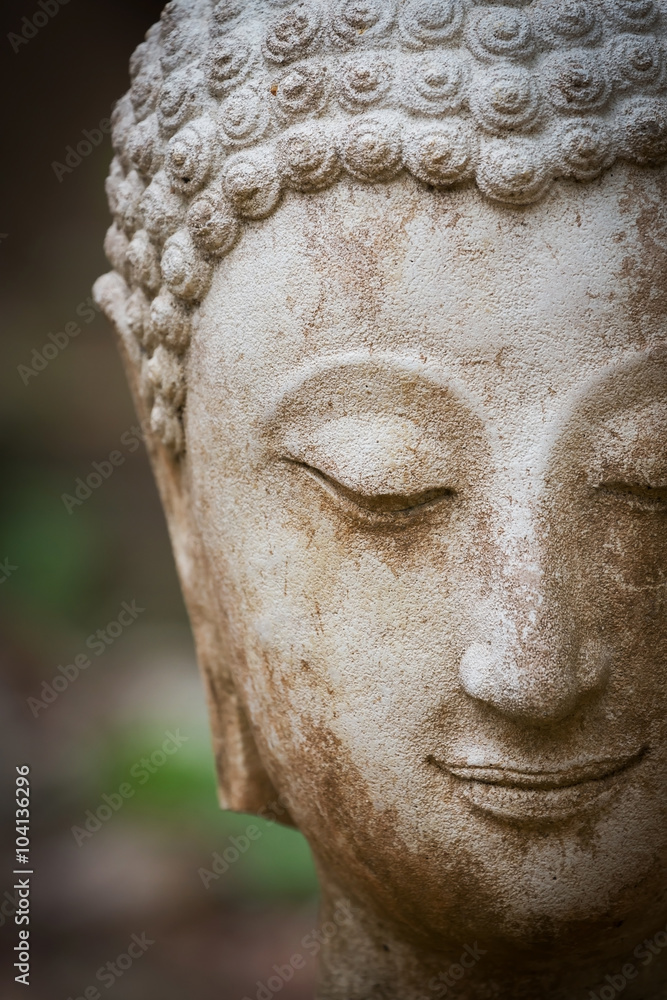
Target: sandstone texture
x: 390, y: 284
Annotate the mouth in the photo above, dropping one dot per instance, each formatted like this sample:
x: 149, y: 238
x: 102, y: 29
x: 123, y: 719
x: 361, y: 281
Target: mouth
x: 550, y: 795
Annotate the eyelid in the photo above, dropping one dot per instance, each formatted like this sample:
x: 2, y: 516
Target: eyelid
x: 396, y: 507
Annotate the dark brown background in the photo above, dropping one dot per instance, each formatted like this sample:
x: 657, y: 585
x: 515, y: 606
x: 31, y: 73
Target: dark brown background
x: 139, y: 872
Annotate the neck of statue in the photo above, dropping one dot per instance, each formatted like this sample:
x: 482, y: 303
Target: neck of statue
x: 361, y: 957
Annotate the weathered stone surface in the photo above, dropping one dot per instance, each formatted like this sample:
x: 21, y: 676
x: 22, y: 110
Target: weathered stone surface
x: 406, y: 374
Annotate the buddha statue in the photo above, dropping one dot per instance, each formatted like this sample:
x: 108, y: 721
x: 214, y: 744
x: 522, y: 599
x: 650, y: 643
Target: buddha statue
x: 390, y: 284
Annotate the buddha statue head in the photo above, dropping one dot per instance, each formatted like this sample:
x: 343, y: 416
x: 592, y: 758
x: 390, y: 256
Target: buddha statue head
x: 390, y: 283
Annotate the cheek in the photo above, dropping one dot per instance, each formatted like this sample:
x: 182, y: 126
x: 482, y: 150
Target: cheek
x: 617, y: 570
x: 615, y: 588
x: 337, y: 629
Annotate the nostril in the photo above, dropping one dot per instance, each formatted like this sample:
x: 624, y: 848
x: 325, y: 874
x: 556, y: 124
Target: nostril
x: 594, y: 665
x: 536, y: 693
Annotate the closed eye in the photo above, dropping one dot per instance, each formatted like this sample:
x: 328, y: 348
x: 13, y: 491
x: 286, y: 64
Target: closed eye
x: 639, y: 495
x: 378, y: 507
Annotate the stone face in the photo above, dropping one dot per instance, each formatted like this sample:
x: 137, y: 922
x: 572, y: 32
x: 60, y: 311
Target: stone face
x: 406, y: 377
x: 231, y: 105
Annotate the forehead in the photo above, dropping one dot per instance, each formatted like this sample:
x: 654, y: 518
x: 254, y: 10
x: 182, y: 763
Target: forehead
x: 519, y: 304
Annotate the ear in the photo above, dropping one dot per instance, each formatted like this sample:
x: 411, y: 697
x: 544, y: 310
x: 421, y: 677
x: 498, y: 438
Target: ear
x: 243, y: 784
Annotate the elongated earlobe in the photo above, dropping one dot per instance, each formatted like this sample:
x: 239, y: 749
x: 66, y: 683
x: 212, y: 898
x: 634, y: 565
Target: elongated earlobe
x: 243, y: 784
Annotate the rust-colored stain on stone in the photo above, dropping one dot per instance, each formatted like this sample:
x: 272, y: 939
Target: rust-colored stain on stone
x: 411, y: 436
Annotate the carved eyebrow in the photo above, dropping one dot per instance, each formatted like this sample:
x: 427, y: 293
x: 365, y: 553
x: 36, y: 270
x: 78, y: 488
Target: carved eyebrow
x: 633, y: 380
x: 626, y: 383
x: 359, y: 372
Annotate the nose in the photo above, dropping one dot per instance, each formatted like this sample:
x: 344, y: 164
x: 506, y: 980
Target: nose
x: 537, y: 690
x: 530, y: 659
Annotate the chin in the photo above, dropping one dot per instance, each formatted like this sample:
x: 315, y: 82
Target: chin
x: 567, y: 875
x: 513, y: 879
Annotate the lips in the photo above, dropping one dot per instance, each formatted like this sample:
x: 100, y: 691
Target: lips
x: 549, y: 795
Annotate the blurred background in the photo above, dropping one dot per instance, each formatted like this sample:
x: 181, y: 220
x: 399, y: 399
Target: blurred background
x: 146, y: 866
